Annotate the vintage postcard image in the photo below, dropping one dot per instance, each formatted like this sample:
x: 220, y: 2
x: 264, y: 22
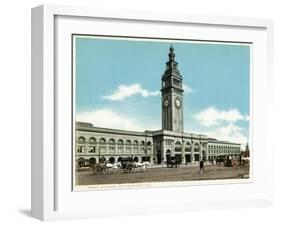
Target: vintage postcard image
x: 152, y: 111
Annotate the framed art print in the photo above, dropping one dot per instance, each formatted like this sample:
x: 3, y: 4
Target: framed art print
x: 130, y: 128
x: 128, y: 107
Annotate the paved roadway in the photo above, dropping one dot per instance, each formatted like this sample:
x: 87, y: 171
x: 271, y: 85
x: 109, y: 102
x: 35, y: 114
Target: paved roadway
x: 212, y: 172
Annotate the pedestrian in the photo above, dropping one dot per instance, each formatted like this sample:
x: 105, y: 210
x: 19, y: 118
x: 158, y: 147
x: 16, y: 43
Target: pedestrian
x: 201, y: 164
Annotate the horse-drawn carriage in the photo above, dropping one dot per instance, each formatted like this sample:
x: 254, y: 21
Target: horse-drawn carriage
x: 99, y: 168
x: 219, y: 160
x: 228, y: 161
x: 126, y: 165
x: 172, y: 162
x: 245, y: 161
x: 105, y: 168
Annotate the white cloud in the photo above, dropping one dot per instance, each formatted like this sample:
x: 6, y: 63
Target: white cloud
x: 108, y: 118
x: 187, y: 89
x: 222, y: 124
x: 212, y: 117
x: 229, y: 132
x: 124, y: 91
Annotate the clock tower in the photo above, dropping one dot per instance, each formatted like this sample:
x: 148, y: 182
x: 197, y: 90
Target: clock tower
x: 172, y: 96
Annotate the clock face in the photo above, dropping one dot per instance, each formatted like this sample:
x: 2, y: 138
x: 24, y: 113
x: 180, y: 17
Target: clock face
x: 177, y: 102
x: 166, y: 103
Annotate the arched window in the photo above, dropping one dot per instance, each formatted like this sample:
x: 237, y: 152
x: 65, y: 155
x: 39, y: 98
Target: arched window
x: 92, y: 140
x: 178, y: 143
x: 187, y: 147
x: 81, y: 139
x: 111, y: 141
x: 120, y: 142
x: 120, y: 146
x: 102, y: 141
x: 148, y: 143
x: 178, y: 146
x: 111, y: 147
x: 136, y: 147
x: 142, y: 142
x: 196, y: 147
x: 128, y: 146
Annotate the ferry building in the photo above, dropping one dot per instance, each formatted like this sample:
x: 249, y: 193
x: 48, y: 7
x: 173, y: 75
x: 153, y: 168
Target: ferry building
x: 93, y: 143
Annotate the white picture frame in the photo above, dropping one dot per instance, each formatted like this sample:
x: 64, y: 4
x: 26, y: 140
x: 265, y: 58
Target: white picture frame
x: 52, y: 198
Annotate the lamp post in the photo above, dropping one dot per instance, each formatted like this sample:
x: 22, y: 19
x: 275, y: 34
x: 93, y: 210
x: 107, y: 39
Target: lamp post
x: 145, y: 150
x: 192, y: 149
x: 99, y: 154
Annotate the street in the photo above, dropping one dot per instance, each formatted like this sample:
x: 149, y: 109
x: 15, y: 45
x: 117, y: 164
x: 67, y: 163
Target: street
x: 212, y: 172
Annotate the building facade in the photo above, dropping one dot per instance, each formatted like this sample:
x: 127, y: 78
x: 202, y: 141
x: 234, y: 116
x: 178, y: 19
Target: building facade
x: 94, y: 143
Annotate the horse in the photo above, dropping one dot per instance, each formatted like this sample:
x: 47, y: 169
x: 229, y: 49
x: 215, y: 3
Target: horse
x: 99, y: 168
x: 112, y: 168
x: 141, y: 166
x: 146, y: 163
x: 246, y: 161
x: 219, y: 161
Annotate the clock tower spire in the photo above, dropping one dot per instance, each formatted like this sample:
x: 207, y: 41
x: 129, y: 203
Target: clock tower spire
x: 172, y: 96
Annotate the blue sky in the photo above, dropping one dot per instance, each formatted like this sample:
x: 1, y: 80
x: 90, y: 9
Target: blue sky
x: 118, y: 83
